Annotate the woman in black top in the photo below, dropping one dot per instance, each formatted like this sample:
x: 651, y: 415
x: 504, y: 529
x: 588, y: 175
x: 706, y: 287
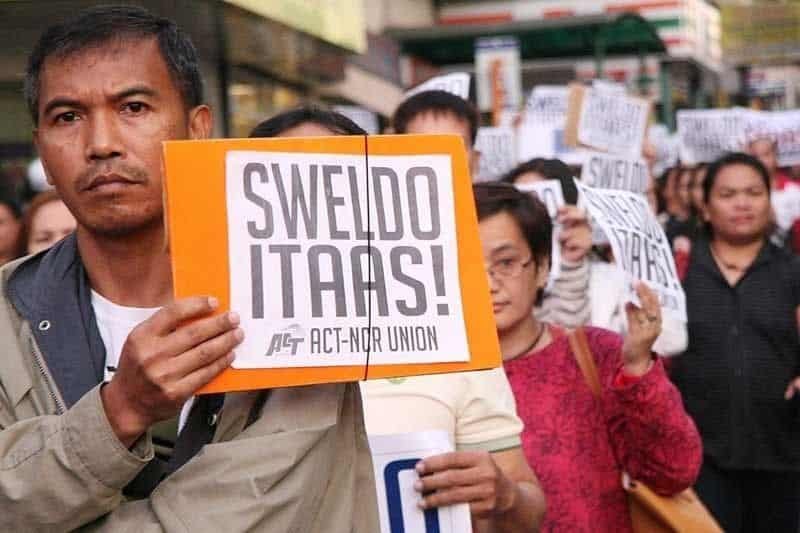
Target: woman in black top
x: 739, y: 374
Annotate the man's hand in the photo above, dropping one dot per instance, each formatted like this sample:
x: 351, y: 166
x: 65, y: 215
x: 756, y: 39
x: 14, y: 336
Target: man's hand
x: 465, y: 477
x: 164, y: 361
x: 575, y: 236
x: 644, y: 327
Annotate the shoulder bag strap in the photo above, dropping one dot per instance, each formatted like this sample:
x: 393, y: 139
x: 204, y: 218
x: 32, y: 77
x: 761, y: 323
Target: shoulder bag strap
x: 583, y: 356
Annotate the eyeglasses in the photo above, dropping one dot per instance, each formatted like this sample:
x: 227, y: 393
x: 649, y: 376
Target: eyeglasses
x: 508, y: 268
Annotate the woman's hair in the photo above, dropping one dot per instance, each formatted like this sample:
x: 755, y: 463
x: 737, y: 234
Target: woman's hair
x: 13, y: 206
x: 38, y: 201
x: 528, y: 212
x: 727, y: 160
x: 551, y: 169
x: 336, y: 122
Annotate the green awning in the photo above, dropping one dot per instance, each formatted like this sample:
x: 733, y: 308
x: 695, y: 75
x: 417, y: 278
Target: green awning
x: 568, y: 37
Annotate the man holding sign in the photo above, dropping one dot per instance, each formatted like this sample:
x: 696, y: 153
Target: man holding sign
x: 96, y: 354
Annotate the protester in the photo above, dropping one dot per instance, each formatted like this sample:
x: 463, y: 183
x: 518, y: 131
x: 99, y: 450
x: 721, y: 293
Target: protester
x: 566, y: 301
x: 739, y: 376
x: 81, y: 399
x: 47, y: 220
x: 571, y: 439
x: 696, y: 191
x: 476, y: 409
x: 682, y: 218
x: 786, y: 229
x: 590, y: 289
x: 440, y: 112
x: 10, y: 229
x: 765, y: 149
x: 665, y: 194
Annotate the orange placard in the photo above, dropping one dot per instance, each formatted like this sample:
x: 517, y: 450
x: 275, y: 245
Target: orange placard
x: 267, y: 226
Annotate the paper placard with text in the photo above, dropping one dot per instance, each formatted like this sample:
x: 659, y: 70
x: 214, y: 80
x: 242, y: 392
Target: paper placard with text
x: 706, y: 134
x: 497, y: 149
x: 611, y: 122
x: 638, y: 241
x: 394, y: 458
x: 547, y: 105
x: 346, y: 257
x: 551, y: 194
x: 607, y: 171
x: 456, y: 83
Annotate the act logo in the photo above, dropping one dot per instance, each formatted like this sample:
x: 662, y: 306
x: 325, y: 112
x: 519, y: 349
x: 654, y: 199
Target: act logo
x: 287, y: 341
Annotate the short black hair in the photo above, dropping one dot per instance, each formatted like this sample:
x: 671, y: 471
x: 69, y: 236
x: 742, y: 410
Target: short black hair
x: 336, y: 122
x: 727, y: 160
x: 436, y: 102
x: 8, y: 199
x: 99, y: 25
x: 551, y: 169
x: 493, y: 197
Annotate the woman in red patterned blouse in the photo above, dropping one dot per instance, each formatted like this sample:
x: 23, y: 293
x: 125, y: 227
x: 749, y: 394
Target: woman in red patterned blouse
x: 572, y: 440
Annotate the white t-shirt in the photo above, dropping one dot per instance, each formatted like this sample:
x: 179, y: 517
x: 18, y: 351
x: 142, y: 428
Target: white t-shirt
x: 476, y: 409
x: 115, y: 323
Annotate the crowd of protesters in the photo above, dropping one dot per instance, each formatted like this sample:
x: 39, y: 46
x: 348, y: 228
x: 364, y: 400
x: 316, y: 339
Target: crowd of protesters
x: 711, y: 403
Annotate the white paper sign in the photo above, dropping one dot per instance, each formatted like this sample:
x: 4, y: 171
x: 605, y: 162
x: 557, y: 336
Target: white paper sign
x: 456, y: 83
x: 612, y: 122
x: 498, y: 154
x: 547, y: 105
x: 552, y: 196
x: 500, y: 55
x: 639, y: 244
x: 534, y: 140
x: 705, y: 135
x: 394, y: 458
x: 783, y: 127
x: 786, y: 205
x: 667, y: 147
x: 366, y: 119
x: 300, y: 240
x: 606, y: 171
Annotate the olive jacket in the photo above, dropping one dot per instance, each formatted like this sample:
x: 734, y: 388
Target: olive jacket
x: 285, y: 460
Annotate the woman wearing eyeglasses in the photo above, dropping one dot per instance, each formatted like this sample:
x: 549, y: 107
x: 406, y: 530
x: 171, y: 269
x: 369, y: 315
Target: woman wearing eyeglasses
x: 576, y: 444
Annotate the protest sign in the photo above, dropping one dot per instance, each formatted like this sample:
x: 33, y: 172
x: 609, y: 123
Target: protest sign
x: 497, y: 152
x: 612, y: 122
x: 534, y: 140
x: 456, y: 83
x: 547, y: 105
x: 498, y: 76
x: 639, y: 244
x: 394, y: 458
x: 366, y: 119
x: 786, y: 205
x: 346, y: 257
x: 606, y: 171
x: 552, y: 196
x: 666, y: 145
x: 707, y: 134
x: 782, y: 127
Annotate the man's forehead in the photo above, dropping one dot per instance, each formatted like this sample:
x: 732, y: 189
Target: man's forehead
x: 114, y: 48
x: 110, y: 67
x: 444, y: 120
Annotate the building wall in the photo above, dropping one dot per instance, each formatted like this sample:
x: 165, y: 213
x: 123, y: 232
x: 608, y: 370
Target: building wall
x: 689, y: 28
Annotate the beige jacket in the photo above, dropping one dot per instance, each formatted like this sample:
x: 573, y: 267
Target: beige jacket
x: 304, y: 466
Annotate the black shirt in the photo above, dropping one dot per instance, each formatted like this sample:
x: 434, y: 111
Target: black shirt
x: 743, y: 352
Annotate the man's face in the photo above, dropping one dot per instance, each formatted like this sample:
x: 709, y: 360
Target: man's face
x: 443, y: 122
x: 103, y: 113
x: 764, y: 151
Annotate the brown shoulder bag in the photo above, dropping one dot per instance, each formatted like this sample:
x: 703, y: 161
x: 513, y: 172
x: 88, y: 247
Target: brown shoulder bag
x: 650, y: 512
